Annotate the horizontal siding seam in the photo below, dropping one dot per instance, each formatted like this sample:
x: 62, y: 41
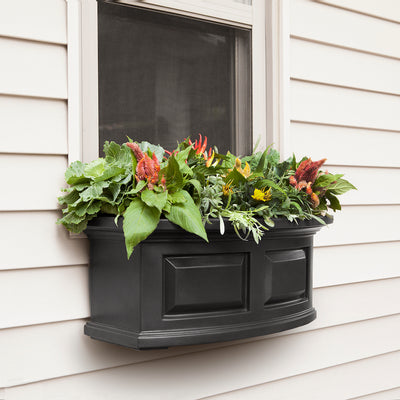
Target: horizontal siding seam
x: 297, y: 121
x: 359, y: 12
x: 359, y: 89
x: 331, y: 44
x: 33, y: 40
x: 45, y: 267
x: 362, y: 166
x: 369, y: 394
x: 355, y: 243
x: 24, y: 153
x: 32, y: 96
x: 358, y: 282
x: 304, y: 373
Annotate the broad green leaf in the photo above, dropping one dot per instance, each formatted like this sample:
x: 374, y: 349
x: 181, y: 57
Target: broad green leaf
x: 70, y: 198
x: 93, y: 191
x: 95, y: 168
x: 140, y: 221
x: 116, y: 154
x: 173, y: 175
x: 109, y: 172
x: 94, y: 207
x: 187, y: 216
x: 81, y: 208
x: 341, y: 186
x: 71, y: 218
x: 109, y: 209
x: 156, y: 149
x: 140, y: 185
x: 197, y: 185
x: 75, y: 173
x: 177, y: 197
x: 334, y: 201
x: 153, y: 199
x: 114, y: 189
x: 326, y: 179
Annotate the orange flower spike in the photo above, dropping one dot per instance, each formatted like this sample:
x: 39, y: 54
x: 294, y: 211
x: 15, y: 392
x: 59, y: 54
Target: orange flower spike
x: 204, y: 145
x: 156, y: 163
x: 314, y: 200
x: 292, y: 180
x: 308, y: 188
x: 164, y: 183
x: 198, y: 144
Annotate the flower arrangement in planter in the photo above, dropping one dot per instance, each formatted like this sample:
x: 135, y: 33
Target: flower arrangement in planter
x: 193, y: 184
x: 241, y: 265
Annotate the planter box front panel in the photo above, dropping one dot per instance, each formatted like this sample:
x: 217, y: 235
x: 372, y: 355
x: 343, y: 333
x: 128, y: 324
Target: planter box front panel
x: 177, y: 289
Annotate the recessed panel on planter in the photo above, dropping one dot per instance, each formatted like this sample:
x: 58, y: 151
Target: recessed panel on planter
x: 286, y: 276
x: 205, y: 283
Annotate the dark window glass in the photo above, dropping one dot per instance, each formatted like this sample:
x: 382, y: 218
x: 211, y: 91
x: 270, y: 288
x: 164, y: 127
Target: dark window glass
x: 163, y: 78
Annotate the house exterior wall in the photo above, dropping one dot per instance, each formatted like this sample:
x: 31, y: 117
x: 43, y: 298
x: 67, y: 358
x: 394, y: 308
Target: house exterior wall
x: 344, y: 105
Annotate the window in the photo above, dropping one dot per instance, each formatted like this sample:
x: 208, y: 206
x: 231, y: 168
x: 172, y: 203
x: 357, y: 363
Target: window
x: 164, y: 77
x: 218, y: 89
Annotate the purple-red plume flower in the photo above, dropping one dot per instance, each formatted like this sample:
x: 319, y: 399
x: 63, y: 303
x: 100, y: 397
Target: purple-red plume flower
x: 147, y: 168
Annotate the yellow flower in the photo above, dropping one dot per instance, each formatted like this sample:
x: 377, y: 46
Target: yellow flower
x: 226, y: 189
x: 246, y: 172
x: 262, y: 195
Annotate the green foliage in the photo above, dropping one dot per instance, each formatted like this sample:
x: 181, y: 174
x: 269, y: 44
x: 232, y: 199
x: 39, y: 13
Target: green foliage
x: 140, y: 221
x: 187, y: 215
x: 191, y: 187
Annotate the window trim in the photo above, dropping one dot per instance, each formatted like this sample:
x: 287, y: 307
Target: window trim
x: 269, y: 25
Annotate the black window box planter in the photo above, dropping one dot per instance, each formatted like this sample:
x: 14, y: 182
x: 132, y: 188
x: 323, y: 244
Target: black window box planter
x: 179, y: 290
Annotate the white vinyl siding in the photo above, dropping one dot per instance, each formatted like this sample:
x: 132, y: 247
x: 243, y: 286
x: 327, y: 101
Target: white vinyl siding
x: 344, y: 105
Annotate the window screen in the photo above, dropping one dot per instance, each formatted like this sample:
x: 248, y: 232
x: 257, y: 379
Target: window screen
x: 163, y: 78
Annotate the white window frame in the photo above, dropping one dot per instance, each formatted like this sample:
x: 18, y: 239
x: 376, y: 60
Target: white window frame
x: 268, y: 21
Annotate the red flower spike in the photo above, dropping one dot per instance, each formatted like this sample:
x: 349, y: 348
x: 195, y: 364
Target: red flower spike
x: 308, y: 170
x: 147, y: 169
x: 136, y: 150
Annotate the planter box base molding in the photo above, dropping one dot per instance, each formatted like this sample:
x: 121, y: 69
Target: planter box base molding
x: 179, y: 290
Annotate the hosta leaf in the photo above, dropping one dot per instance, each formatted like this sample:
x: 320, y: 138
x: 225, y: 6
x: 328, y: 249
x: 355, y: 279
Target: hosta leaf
x: 140, y: 221
x: 187, y: 216
x: 153, y: 199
